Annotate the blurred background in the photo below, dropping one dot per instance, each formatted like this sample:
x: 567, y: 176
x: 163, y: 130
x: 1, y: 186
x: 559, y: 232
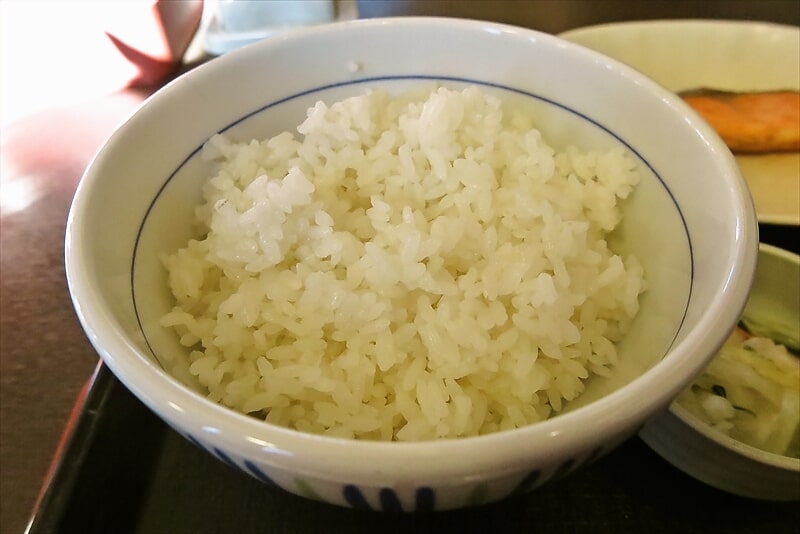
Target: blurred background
x: 554, y: 16
x: 57, y: 52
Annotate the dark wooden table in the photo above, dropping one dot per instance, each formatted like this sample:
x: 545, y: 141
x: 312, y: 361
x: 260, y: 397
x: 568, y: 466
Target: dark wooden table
x: 161, y: 483
x: 45, y: 358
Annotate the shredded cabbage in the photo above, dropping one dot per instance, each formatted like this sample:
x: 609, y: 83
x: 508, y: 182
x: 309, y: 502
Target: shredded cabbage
x: 750, y: 392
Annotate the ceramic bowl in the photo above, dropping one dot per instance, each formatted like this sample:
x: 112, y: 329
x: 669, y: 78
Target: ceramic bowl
x: 713, y: 457
x: 136, y: 203
x: 727, y: 55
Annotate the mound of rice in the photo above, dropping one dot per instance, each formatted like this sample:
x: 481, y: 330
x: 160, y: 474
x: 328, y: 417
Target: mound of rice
x: 410, y: 267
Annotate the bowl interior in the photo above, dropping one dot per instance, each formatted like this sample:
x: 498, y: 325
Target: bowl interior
x: 775, y: 298
x: 139, y: 195
x: 664, y: 250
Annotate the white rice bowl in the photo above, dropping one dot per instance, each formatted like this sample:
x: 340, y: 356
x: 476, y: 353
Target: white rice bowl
x: 688, y: 221
x: 408, y: 267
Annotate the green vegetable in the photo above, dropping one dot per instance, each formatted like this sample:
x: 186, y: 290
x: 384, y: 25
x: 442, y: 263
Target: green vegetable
x: 745, y: 410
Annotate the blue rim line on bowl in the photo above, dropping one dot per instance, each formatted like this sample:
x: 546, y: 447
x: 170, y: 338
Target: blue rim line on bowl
x: 361, y: 81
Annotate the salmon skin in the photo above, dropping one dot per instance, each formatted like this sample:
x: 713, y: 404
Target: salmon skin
x: 751, y: 122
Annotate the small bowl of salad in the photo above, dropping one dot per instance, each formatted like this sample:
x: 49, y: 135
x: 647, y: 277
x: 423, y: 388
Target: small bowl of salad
x: 737, y: 426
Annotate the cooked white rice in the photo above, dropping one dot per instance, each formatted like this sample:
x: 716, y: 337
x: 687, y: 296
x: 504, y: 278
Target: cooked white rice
x: 407, y: 268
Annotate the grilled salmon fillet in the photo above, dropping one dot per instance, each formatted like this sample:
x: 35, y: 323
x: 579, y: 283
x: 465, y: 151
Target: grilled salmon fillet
x: 752, y: 122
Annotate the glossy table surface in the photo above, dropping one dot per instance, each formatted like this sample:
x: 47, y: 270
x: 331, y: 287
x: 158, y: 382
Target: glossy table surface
x: 46, y: 360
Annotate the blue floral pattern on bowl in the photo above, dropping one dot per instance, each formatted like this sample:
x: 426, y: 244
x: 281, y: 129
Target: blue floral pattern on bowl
x: 388, y: 499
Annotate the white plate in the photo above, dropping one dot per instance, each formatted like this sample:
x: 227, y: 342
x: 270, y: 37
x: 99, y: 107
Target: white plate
x: 734, y: 56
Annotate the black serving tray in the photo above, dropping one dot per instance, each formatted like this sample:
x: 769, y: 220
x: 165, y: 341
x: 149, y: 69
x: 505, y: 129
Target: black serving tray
x: 785, y: 236
x: 122, y: 470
